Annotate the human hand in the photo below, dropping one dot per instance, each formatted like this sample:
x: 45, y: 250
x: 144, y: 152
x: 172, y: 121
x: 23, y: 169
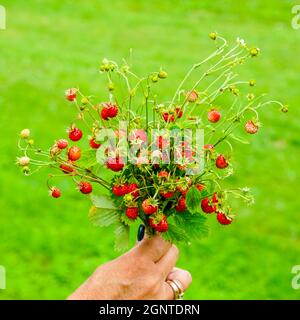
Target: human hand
x: 141, y: 273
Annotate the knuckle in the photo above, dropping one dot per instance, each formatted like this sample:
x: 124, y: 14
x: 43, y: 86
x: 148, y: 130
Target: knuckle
x: 188, y: 276
x: 175, y: 250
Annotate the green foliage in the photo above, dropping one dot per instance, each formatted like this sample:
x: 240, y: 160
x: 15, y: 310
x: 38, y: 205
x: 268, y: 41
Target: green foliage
x: 103, y: 213
x: 185, y: 226
x: 87, y: 159
x: 102, y: 217
x: 121, y: 236
x: 262, y: 243
x: 193, y: 199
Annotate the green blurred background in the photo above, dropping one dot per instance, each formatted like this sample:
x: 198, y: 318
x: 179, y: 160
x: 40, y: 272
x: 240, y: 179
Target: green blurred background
x: 48, y: 247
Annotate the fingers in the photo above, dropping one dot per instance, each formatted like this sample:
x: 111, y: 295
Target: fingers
x: 168, y: 261
x: 154, y: 248
x: 182, y: 276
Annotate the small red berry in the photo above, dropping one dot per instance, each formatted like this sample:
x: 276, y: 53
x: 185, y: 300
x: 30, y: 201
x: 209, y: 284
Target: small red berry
x: 251, y: 127
x: 221, y: 162
x: 192, y: 96
x: 85, y: 187
x: 109, y: 111
x: 162, y: 226
x: 167, y: 195
x: 75, y: 134
x: 163, y: 174
x: 200, y: 187
x: 55, y: 192
x: 209, y: 147
x: 94, y: 144
x: 133, y: 189
x: 71, y: 94
x: 62, y: 143
x: 138, y: 135
x: 74, y: 153
x: 119, y: 190
x: 214, y: 115
x: 162, y: 142
x: 168, y: 117
x: 208, y: 206
x: 181, y: 205
x: 115, y: 164
x: 179, y: 112
x: 148, y: 207
x: 223, y: 219
x: 132, y: 212
x: 65, y: 168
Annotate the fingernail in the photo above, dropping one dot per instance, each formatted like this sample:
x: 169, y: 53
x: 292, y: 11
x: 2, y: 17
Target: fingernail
x: 141, y: 232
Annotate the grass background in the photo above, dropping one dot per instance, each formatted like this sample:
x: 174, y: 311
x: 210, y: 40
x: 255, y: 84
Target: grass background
x: 49, y: 247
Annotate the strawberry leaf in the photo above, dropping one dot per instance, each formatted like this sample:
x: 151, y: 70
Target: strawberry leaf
x: 121, y: 236
x: 193, y: 199
x: 175, y: 234
x: 87, y: 159
x: 102, y: 202
x: 102, y: 217
x: 194, y: 225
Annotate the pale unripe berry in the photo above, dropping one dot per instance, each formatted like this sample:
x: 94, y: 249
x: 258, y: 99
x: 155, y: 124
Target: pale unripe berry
x: 23, y: 161
x: 25, y: 133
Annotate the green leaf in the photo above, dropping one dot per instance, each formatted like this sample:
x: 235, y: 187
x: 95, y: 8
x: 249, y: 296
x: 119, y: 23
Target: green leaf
x: 121, y: 236
x: 194, y: 225
x: 193, y: 199
x: 88, y: 159
x: 103, y: 202
x: 103, y: 217
x: 175, y: 234
x: 127, y: 221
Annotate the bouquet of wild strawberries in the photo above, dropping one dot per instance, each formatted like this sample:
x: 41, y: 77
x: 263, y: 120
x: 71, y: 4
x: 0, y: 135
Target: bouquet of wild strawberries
x: 158, y: 162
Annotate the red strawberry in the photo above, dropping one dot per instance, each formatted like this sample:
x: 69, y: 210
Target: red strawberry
x: 133, y: 190
x: 181, y: 205
x: 109, y: 111
x: 178, y: 112
x: 85, y: 187
x: 132, y: 212
x: 192, y: 96
x: 168, y: 117
x: 65, y: 168
x: 209, y: 147
x: 162, y: 142
x: 138, y: 135
x: 115, y: 164
x: 251, y: 127
x: 167, y: 195
x: 75, y: 134
x: 208, y: 206
x: 149, y: 207
x: 94, y: 144
x: 214, y: 115
x: 55, y: 192
x: 163, y: 174
x: 120, y: 190
x: 223, y: 219
x: 71, y: 94
x: 163, y: 225
x: 74, y: 153
x: 200, y: 187
x: 221, y: 162
x: 62, y: 143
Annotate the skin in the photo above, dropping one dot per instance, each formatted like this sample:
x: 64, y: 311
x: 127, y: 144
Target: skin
x: 141, y: 273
